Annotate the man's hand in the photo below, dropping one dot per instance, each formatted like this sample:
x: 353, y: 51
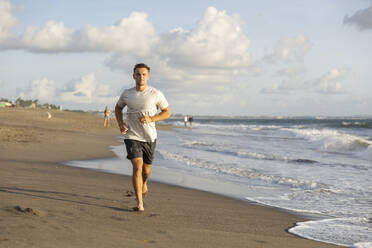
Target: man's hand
x: 123, y: 128
x: 146, y: 119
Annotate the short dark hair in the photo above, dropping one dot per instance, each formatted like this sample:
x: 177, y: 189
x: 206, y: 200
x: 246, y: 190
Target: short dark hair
x: 141, y: 65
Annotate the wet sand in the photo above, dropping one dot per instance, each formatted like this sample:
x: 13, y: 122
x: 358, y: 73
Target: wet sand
x: 46, y: 204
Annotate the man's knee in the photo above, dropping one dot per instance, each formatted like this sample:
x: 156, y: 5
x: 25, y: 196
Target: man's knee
x: 137, y: 164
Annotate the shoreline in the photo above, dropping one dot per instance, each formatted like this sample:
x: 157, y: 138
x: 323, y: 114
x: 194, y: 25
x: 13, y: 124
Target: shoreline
x: 303, y: 216
x: 308, y: 216
x: 74, y: 207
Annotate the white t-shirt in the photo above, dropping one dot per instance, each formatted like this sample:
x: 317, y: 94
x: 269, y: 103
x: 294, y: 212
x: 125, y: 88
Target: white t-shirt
x: 140, y: 103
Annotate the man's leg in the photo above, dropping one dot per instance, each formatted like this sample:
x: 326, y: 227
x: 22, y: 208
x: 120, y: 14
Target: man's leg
x: 146, y: 171
x: 137, y: 180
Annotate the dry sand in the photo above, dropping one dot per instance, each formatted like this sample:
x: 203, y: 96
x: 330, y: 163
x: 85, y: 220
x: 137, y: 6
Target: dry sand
x: 46, y: 204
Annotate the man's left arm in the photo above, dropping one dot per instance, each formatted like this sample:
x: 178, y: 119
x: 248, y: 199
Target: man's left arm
x: 164, y: 114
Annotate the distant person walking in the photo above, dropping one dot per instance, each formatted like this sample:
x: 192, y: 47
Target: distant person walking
x: 185, y: 119
x: 191, y: 119
x: 143, y: 103
x: 106, y: 117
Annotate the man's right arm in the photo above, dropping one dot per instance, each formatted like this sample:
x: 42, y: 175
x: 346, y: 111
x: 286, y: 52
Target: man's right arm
x: 119, y: 118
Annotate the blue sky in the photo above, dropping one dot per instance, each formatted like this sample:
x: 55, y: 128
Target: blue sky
x: 208, y: 57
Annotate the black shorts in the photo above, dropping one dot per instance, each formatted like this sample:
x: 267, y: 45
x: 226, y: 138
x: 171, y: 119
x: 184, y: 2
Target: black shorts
x: 140, y: 149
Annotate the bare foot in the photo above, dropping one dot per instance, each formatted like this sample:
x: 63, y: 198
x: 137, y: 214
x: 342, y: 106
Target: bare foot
x: 138, y: 209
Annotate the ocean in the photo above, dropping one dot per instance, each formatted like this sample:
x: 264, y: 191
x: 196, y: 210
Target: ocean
x: 318, y: 166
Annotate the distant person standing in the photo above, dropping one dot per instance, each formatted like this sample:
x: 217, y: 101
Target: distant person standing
x: 185, y: 120
x: 191, y: 120
x: 106, y: 117
x: 143, y: 103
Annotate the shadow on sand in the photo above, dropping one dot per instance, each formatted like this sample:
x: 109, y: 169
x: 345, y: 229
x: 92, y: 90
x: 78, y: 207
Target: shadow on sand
x: 58, y: 196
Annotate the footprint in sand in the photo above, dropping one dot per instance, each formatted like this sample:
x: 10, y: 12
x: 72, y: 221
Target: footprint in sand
x: 20, y: 210
x: 129, y: 193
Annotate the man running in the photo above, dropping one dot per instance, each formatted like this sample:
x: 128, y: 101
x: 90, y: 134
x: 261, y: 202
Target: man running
x: 143, y: 103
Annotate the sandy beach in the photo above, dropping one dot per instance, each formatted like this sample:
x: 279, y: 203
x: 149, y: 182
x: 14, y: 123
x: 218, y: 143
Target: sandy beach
x: 46, y: 204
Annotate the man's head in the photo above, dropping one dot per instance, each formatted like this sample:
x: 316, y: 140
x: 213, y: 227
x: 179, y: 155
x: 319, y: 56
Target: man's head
x: 141, y: 75
x: 141, y: 65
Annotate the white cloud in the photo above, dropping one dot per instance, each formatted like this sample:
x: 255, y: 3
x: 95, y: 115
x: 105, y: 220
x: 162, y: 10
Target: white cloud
x: 43, y: 90
x: 215, y: 51
x: 284, y: 87
x: 6, y: 19
x: 293, y: 73
x: 362, y: 18
x: 290, y: 50
x: 218, y: 41
x: 205, y: 58
x: 132, y: 35
x: 291, y: 80
x: 54, y: 37
x: 328, y: 83
x: 87, y: 90
x: 166, y: 73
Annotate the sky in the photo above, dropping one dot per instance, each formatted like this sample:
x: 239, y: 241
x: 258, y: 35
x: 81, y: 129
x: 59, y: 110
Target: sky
x: 208, y: 57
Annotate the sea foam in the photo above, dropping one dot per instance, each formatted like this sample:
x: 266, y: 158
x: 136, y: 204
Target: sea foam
x: 334, y: 141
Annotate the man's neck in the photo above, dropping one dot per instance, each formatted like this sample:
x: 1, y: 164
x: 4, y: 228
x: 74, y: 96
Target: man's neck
x: 141, y: 88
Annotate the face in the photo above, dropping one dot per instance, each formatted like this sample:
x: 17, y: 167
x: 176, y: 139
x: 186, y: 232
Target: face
x: 141, y: 75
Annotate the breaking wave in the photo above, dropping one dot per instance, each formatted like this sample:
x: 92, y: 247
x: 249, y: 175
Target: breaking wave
x: 234, y: 170
x: 220, y: 148
x: 334, y: 141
